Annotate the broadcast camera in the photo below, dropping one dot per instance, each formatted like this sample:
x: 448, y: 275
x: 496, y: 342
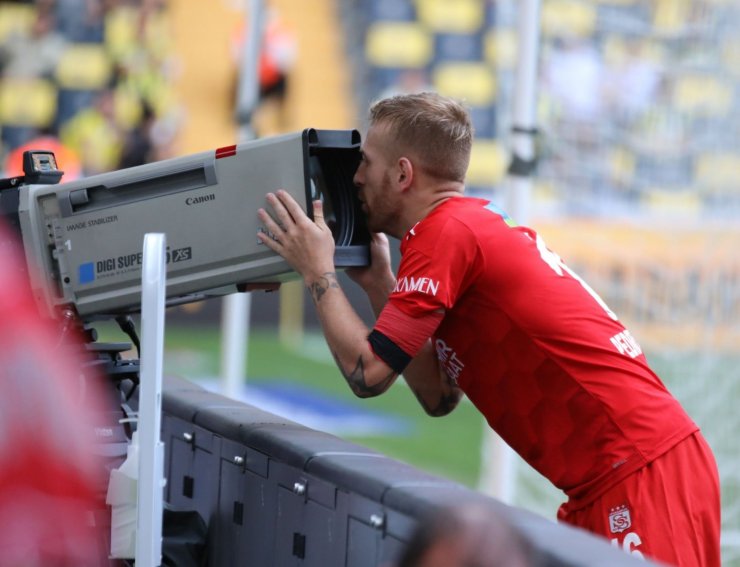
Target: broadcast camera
x: 83, y: 239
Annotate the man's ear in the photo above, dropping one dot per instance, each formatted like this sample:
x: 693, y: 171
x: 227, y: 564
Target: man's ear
x: 405, y: 173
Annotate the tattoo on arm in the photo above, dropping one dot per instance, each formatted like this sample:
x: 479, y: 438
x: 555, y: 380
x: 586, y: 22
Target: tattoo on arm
x: 357, y: 382
x: 322, y: 285
x: 447, y: 401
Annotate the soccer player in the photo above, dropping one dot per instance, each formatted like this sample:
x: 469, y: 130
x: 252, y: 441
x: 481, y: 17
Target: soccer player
x: 481, y: 306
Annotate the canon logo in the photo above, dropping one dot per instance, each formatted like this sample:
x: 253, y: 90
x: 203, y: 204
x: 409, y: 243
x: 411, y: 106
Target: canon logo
x: 198, y: 200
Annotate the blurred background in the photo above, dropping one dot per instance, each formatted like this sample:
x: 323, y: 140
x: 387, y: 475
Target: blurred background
x: 636, y: 186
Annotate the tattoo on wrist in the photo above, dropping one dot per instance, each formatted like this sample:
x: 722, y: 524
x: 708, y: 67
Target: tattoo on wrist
x: 318, y: 288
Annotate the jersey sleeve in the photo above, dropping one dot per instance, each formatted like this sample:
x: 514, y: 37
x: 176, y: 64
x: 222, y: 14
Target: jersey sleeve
x: 436, y: 268
x: 397, y: 337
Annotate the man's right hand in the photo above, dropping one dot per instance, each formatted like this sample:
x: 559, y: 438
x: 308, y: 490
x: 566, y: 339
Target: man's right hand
x: 379, y: 272
x: 377, y: 279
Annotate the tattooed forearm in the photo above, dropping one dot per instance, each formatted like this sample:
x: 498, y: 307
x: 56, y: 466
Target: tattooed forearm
x: 321, y: 285
x: 447, y: 402
x: 357, y: 382
x: 444, y: 406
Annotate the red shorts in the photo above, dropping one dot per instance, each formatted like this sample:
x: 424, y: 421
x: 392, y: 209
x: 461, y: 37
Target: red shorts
x: 667, y: 511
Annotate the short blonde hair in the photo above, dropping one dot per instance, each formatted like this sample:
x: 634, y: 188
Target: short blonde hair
x: 435, y: 129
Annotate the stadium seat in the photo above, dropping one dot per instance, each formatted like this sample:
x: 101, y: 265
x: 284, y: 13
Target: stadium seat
x: 684, y: 200
x: 718, y: 172
x: 392, y: 10
x: 500, y: 48
x: 488, y: 163
x: 83, y: 66
x: 670, y: 16
x: 27, y: 102
x: 398, y: 44
x: 701, y: 94
x: 458, y: 47
x: 452, y: 16
x: 621, y: 165
x: 15, y: 19
x: 484, y: 120
x: 730, y: 54
x: 473, y: 82
x: 569, y: 18
x: 124, y: 37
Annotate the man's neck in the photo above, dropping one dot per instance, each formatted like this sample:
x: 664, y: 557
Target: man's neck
x: 428, y: 200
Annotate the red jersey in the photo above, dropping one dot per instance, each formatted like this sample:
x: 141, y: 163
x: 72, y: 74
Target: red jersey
x: 534, y: 348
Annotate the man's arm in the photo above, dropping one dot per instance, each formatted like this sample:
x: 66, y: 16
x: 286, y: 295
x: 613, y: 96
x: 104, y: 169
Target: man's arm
x: 437, y: 393
x: 434, y: 390
x: 309, y: 248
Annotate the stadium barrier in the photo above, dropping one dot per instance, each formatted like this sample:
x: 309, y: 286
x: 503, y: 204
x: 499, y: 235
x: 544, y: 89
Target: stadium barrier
x: 274, y: 492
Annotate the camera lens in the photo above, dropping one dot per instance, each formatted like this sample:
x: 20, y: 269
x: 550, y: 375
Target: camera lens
x: 320, y: 191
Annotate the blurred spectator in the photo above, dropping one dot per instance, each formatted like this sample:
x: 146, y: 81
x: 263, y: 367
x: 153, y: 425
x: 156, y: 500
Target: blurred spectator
x: 34, y: 55
x: 573, y: 77
x: 467, y: 535
x: 276, y: 60
x: 140, y: 144
x: 632, y: 85
x: 50, y: 480
x: 95, y: 124
x: 95, y: 135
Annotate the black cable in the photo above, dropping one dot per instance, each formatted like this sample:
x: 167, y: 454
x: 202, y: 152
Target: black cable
x: 126, y: 323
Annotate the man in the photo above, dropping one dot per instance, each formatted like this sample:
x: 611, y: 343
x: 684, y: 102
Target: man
x: 483, y: 307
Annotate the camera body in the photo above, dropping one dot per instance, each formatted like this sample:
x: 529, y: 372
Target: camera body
x: 83, y: 239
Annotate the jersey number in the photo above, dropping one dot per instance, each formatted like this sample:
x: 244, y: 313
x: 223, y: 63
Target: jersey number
x: 630, y: 544
x: 559, y: 267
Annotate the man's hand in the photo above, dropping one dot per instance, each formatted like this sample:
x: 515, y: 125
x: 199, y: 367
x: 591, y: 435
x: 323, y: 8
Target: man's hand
x: 308, y: 246
x: 377, y: 279
x: 379, y: 271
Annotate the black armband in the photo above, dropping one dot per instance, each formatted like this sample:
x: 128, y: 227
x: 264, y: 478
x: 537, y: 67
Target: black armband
x: 388, y: 351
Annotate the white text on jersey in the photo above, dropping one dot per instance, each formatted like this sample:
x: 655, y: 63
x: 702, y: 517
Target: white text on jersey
x: 626, y: 344
x: 422, y: 285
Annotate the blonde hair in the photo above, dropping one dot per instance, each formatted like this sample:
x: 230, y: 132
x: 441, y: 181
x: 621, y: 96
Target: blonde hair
x: 435, y: 129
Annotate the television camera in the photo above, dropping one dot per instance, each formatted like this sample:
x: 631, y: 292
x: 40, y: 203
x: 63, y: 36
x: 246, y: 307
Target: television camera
x: 83, y: 239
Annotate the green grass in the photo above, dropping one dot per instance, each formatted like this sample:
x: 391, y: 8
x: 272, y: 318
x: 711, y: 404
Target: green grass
x: 448, y: 446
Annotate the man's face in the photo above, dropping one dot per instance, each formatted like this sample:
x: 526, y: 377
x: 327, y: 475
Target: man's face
x: 374, y: 183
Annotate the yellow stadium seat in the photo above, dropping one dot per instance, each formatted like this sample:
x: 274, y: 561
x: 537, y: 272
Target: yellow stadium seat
x: 83, y: 66
x: 27, y: 102
x: 675, y: 200
x: 15, y: 19
x: 475, y: 83
x: 501, y: 48
x: 398, y: 44
x: 703, y: 94
x: 121, y: 25
x: 718, y: 171
x: 621, y: 164
x: 123, y: 35
x: 730, y: 50
x: 571, y: 18
x: 489, y: 161
x: 670, y: 16
x: 451, y: 16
